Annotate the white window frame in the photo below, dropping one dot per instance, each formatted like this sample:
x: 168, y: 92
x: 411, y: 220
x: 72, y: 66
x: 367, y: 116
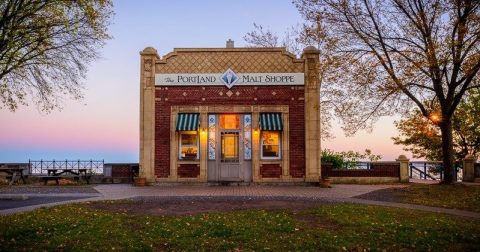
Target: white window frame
x: 279, y: 146
x: 180, y: 145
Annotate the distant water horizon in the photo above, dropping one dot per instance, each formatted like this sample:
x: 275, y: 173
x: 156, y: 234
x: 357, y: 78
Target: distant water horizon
x: 16, y: 156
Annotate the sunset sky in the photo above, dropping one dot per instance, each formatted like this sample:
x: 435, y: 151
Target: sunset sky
x: 105, y: 124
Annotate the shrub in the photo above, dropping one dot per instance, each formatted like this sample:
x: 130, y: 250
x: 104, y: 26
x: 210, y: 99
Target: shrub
x: 347, y: 159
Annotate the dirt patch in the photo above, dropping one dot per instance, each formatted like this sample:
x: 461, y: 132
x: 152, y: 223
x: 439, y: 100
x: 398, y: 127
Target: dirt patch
x: 200, y: 205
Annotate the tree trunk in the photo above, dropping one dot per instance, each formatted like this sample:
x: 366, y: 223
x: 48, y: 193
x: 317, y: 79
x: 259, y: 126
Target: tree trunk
x: 447, y: 151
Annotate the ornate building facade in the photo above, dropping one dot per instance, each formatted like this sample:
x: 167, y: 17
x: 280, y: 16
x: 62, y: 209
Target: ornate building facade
x: 230, y: 114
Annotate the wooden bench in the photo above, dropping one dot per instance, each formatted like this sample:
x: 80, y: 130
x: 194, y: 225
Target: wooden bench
x: 12, y: 172
x: 56, y: 178
x: 58, y: 173
x: 85, y: 174
x: 87, y: 178
x: 23, y: 178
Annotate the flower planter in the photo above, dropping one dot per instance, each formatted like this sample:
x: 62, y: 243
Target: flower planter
x: 139, y: 181
x: 325, y: 183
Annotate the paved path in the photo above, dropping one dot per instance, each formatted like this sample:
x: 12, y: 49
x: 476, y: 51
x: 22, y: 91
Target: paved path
x: 339, y: 193
x: 35, y: 189
x: 15, y: 202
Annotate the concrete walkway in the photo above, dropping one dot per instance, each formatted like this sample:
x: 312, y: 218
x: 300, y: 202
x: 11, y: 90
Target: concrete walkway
x: 339, y: 193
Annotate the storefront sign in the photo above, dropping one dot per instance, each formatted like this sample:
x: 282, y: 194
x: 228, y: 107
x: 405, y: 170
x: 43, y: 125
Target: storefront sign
x: 229, y: 78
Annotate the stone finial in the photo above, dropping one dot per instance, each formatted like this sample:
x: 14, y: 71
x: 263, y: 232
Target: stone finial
x: 230, y: 43
x: 310, y: 49
x: 470, y: 157
x: 148, y: 51
x: 402, y: 158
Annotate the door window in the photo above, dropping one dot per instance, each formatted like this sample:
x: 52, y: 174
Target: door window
x: 229, y: 147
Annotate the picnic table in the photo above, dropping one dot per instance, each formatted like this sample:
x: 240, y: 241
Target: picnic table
x: 58, y: 173
x: 13, y: 171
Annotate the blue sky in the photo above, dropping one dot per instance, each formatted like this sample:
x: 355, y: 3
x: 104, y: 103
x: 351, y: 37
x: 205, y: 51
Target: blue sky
x: 105, y: 124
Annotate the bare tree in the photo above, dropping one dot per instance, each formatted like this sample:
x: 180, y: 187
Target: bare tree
x: 261, y: 37
x: 294, y: 39
x: 404, y: 54
x: 45, y: 48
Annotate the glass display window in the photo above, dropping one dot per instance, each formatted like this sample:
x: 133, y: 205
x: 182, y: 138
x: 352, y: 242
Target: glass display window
x: 271, y: 146
x: 188, y: 149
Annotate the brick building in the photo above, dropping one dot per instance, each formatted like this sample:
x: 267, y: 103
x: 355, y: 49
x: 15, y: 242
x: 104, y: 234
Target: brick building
x: 229, y: 114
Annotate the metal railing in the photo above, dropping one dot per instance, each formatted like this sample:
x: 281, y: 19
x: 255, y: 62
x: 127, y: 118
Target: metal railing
x: 40, y: 167
x: 362, y: 165
x: 431, y: 170
x: 355, y: 166
x: 426, y: 170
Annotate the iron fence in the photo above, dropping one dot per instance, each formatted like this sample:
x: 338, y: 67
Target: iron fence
x: 361, y: 165
x: 355, y: 166
x: 40, y: 167
x: 427, y: 170
x: 432, y: 170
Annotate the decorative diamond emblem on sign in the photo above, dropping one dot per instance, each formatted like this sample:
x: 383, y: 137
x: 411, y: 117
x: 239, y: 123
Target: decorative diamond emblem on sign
x: 229, y: 78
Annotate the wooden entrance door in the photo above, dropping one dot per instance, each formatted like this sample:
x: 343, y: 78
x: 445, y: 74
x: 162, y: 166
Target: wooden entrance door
x: 230, y: 148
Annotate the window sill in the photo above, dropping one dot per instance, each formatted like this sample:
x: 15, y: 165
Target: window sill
x: 196, y: 161
x: 271, y: 161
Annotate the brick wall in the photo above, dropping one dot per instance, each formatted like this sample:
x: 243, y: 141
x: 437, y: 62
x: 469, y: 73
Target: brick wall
x: 217, y: 95
x: 122, y: 171
x: 270, y: 170
x: 188, y: 170
x: 162, y: 140
x: 377, y: 170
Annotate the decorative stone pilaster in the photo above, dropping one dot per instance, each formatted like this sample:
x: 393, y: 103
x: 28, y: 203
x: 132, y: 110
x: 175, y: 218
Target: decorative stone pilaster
x: 404, y: 161
x: 286, y: 144
x: 203, y: 143
x: 312, y: 115
x: 469, y: 168
x: 255, y: 145
x: 147, y: 113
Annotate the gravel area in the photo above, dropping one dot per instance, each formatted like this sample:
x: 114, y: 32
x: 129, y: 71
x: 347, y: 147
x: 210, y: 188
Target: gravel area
x: 198, y: 205
x: 29, y: 201
x: 46, y: 189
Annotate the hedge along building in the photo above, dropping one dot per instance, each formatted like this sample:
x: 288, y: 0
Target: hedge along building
x: 230, y: 114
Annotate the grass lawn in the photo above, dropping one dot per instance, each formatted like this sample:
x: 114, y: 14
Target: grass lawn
x: 326, y: 228
x: 457, y: 196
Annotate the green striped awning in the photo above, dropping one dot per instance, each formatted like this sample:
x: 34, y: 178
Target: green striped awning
x: 271, y: 121
x: 188, y: 121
